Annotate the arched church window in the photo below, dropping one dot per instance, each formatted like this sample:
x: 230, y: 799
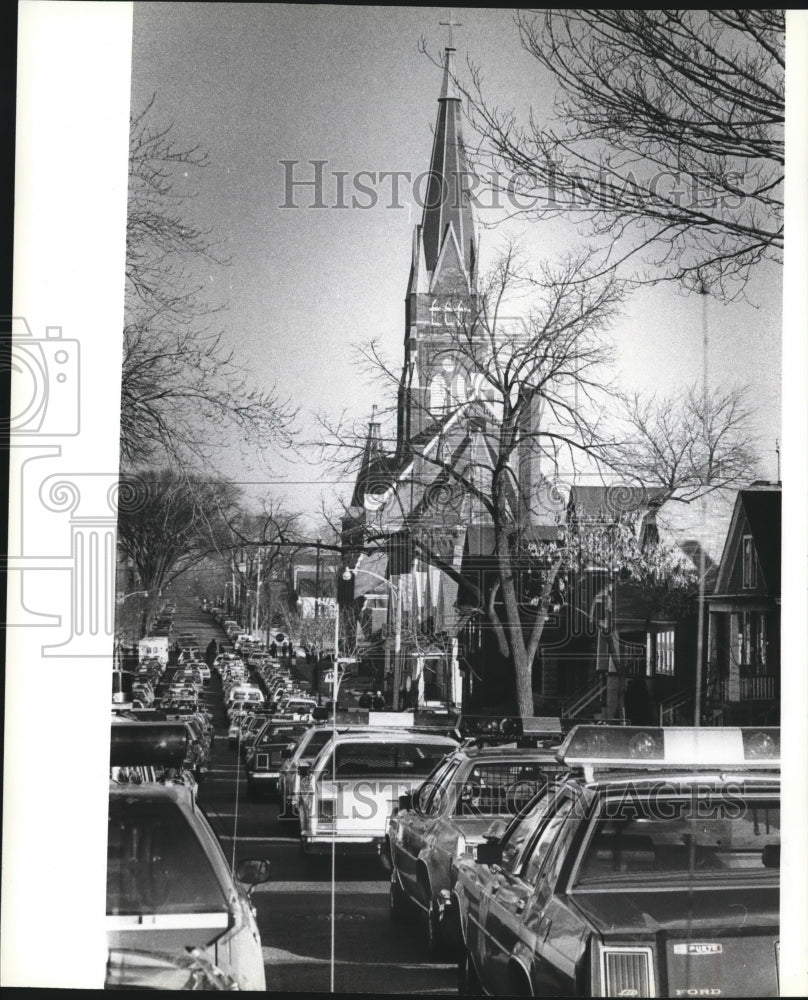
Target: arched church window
x: 460, y: 392
x: 438, y: 396
x: 435, y: 313
x: 461, y: 313
x: 449, y: 313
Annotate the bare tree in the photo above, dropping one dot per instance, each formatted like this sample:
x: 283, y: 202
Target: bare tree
x: 668, y: 136
x: 183, y: 391
x: 256, y: 550
x: 534, y: 387
x: 170, y: 521
x: 529, y: 410
x: 690, y: 443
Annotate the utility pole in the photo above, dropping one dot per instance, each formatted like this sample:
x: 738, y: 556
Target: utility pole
x: 257, y: 594
x: 317, y: 581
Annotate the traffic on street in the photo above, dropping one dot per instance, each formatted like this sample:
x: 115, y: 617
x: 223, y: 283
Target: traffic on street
x: 260, y: 841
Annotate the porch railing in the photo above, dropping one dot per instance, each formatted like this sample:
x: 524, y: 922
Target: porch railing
x: 677, y: 710
x: 761, y: 688
x: 582, y: 700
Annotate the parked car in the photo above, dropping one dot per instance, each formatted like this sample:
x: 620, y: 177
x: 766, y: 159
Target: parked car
x: 651, y: 870
x: 347, y: 794
x: 449, y: 815
x: 169, y: 885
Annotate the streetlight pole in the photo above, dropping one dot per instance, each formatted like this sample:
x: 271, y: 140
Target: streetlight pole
x: 335, y: 682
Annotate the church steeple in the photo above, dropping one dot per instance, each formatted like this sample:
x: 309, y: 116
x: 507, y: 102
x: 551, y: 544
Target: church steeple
x: 447, y: 206
x: 441, y: 287
x: 369, y: 470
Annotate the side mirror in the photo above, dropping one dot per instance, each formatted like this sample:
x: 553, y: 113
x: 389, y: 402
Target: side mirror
x: 405, y: 803
x: 489, y: 853
x: 304, y: 767
x: 253, y: 871
x: 287, y: 752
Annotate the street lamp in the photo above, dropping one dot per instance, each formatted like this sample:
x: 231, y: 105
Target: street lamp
x: 348, y: 573
x: 335, y: 680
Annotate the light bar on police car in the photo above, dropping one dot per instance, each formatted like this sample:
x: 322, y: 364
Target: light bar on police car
x: 675, y: 746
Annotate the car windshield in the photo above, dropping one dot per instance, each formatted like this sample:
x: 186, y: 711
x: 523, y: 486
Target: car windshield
x: 673, y: 839
x: 155, y: 862
x: 362, y: 759
x: 501, y: 788
x: 316, y: 742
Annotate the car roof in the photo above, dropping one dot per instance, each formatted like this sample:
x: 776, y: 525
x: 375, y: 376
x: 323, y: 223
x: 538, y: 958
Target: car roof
x: 392, y: 734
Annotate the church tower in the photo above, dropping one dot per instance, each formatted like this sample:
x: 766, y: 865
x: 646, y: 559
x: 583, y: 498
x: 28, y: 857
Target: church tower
x: 440, y: 293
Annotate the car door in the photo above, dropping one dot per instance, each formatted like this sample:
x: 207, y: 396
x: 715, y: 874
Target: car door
x: 508, y: 896
x: 480, y: 877
x: 415, y: 826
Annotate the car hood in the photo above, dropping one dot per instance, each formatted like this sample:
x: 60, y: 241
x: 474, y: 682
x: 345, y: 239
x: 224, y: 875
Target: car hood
x: 168, y: 933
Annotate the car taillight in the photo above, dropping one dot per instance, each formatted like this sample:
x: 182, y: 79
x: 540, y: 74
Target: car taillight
x: 627, y: 972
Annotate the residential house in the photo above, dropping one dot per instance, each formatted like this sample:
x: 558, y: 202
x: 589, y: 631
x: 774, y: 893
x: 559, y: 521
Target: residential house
x: 743, y: 657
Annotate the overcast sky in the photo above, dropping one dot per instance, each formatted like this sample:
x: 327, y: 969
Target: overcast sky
x: 259, y: 84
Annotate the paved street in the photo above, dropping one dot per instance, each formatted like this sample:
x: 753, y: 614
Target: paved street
x: 294, y: 909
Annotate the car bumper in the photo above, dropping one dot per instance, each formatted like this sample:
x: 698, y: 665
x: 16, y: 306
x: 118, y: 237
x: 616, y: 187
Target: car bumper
x: 264, y: 779
x: 323, y: 843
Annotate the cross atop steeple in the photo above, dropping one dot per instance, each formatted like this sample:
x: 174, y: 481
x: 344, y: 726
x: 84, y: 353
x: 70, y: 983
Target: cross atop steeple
x: 450, y: 24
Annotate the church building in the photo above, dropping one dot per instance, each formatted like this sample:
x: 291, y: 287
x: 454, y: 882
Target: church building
x: 406, y: 532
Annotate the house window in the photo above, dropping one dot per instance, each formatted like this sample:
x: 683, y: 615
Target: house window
x: 752, y: 641
x: 749, y: 563
x: 664, y: 652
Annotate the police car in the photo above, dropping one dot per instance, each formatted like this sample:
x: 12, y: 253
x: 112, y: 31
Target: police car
x: 653, y: 870
x: 170, y: 890
x: 263, y: 759
x: 493, y: 775
x: 348, y: 792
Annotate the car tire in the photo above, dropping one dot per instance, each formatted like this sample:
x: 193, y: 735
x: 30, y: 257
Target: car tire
x: 468, y: 983
x: 399, y: 904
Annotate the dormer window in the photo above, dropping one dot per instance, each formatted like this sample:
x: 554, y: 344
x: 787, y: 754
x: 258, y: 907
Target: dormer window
x: 749, y: 563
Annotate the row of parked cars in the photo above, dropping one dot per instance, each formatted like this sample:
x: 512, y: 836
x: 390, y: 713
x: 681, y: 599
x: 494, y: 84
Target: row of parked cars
x: 178, y: 916
x: 613, y: 861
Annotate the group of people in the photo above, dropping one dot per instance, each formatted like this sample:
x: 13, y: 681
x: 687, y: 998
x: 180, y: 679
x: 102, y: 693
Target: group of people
x: 375, y: 701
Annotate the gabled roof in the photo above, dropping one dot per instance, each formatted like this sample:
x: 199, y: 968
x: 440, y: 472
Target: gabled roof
x: 758, y: 509
x: 605, y: 504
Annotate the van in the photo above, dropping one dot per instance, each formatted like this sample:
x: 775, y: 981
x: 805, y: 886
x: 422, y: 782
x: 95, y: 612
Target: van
x: 154, y: 647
